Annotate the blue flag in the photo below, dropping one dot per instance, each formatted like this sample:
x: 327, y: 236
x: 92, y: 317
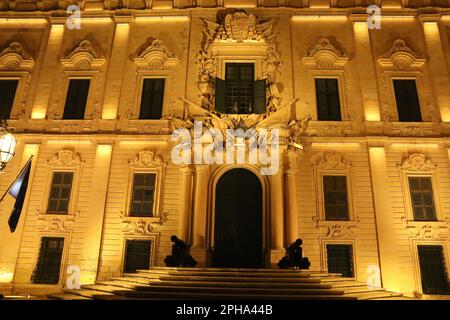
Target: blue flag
x: 18, y: 190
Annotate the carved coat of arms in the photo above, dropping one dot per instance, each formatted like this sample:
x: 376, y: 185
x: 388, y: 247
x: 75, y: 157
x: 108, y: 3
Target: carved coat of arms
x: 240, y: 26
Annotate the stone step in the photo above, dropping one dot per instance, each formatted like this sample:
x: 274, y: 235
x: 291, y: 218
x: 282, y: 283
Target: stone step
x: 240, y: 270
x: 373, y: 295
x: 273, y: 274
x: 66, y: 296
x: 87, y: 293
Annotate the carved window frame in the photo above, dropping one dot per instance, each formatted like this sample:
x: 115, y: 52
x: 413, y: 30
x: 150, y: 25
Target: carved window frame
x: 321, y: 170
x: 324, y: 253
x: 137, y: 165
x: 410, y: 171
x: 141, y: 75
x: 414, y: 243
x: 153, y: 237
x: 312, y: 75
x: 23, y: 78
x: 76, y: 166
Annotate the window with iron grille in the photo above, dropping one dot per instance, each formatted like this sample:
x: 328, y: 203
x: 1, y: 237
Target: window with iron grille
x: 137, y: 255
x: 76, y: 99
x: 7, y: 93
x: 335, y: 197
x: 143, y: 195
x: 328, y: 104
x: 421, y: 191
x: 60, y: 190
x: 432, y: 270
x: 49, y: 261
x: 239, y: 87
x: 340, y: 259
x: 152, y: 99
x: 408, y: 106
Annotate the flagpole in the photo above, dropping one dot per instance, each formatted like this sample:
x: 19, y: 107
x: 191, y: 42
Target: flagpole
x: 7, y: 190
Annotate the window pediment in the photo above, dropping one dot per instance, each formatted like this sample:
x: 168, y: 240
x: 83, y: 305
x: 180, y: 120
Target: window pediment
x: 65, y: 157
x: 83, y: 57
x: 156, y: 56
x: 417, y: 161
x: 147, y: 159
x: 401, y: 57
x: 330, y: 160
x: 325, y: 56
x: 14, y: 57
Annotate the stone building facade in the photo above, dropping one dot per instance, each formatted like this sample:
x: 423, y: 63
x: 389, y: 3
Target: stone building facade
x: 290, y: 44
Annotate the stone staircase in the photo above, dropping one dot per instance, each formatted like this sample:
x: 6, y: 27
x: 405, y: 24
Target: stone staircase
x: 211, y: 283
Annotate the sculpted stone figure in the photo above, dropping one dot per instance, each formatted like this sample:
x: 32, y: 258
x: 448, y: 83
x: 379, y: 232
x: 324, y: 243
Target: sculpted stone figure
x: 294, y: 257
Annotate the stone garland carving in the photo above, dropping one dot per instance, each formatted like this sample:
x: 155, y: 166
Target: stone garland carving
x: 65, y: 157
x: 325, y: 56
x: 156, y: 56
x: 56, y: 223
x: 428, y: 231
x: 330, y: 160
x: 238, y: 27
x: 142, y: 226
x: 83, y: 57
x: 417, y: 161
x: 328, y: 229
x: 401, y: 57
x: 147, y: 159
x: 14, y: 57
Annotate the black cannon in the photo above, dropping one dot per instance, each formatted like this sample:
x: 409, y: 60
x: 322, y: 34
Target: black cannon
x: 294, y: 257
x: 180, y: 256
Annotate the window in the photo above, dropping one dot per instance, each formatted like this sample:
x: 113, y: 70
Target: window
x: 76, y: 99
x: 432, y: 270
x: 143, y: 194
x: 239, y: 93
x: 421, y: 191
x: 328, y: 105
x: 7, y: 93
x: 340, y: 259
x: 152, y: 99
x: 49, y: 261
x: 408, y: 106
x: 61, y: 187
x: 137, y: 255
x: 335, y: 197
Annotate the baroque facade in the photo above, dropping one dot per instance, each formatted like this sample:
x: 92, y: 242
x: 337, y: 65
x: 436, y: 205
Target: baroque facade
x: 290, y: 44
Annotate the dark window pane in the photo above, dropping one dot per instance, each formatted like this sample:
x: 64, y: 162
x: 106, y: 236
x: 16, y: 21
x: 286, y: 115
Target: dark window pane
x: 422, y: 201
x: 433, y: 270
x: 340, y: 259
x: 49, y: 261
x: 143, y: 194
x: 408, y: 106
x: 335, y: 197
x: 60, y: 192
x: 239, y: 86
x: 328, y: 104
x: 7, y: 93
x: 76, y: 99
x: 152, y: 99
x: 137, y: 255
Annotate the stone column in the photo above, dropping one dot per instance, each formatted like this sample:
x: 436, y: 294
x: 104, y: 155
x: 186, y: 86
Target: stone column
x: 96, y: 213
x: 116, y: 68
x: 11, y: 242
x: 384, y: 221
x: 367, y: 72
x: 48, y: 69
x: 200, y: 210
x: 437, y: 64
x: 276, y: 216
x: 290, y: 194
x: 187, y: 172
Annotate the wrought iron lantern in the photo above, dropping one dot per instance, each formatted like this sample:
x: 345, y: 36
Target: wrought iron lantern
x: 7, y: 145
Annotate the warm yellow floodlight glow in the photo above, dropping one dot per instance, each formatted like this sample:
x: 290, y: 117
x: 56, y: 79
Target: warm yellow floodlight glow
x: 414, y: 145
x: 69, y: 142
x: 28, y: 21
x: 319, y: 17
x: 161, y: 18
x: 335, y: 144
x: 142, y: 142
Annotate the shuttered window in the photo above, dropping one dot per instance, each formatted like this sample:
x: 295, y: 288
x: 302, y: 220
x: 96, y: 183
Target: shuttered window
x: 7, y: 93
x: 143, y: 194
x: 328, y: 105
x: 137, y: 255
x: 422, y: 200
x: 60, y: 190
x: 239, y: 93
x: 335, y: 197
x: 49, y: 261
x: 76, y: 99
x: 152, y: 99
x: 408, y: 106
x: 340, y: 259
x: 433, y: 270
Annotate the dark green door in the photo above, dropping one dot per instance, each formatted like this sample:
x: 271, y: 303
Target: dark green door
x: 238, y: 221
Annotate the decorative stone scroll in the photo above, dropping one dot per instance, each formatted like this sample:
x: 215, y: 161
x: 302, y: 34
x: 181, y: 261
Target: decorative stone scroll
x: 156, y: 56
x: 325, y: 56
x: 331, y: 160
x: 401, y: 57
x: 147, y: 159
x: 83, y: 57
x: 14, y: 57
x: 417, y: 161
x: 65, y: 157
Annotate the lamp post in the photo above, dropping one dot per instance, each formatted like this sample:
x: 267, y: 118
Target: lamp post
x: 7, y: 145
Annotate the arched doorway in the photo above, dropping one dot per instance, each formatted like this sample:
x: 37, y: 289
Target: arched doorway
x: 238, y: 221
